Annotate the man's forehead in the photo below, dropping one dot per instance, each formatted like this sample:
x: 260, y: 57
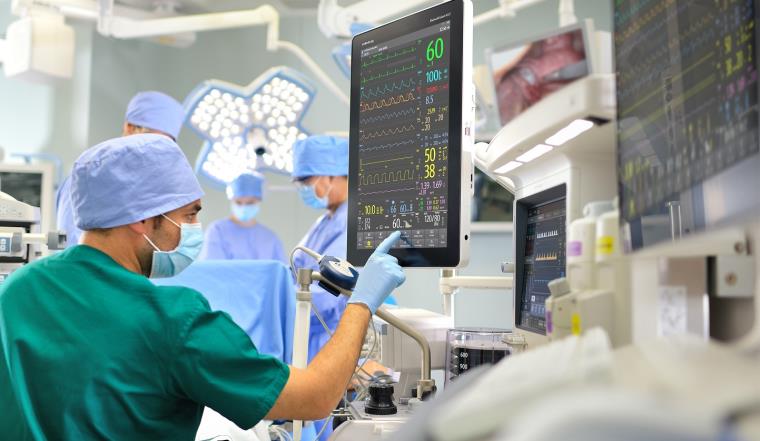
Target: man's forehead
x: 192, y: 206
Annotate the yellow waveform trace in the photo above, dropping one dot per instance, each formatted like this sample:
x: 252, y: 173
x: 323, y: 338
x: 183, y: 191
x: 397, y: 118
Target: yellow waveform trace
x: 387, y: 177
x: 362, y: 162
x: 387, y: 102
x: 543, y: 257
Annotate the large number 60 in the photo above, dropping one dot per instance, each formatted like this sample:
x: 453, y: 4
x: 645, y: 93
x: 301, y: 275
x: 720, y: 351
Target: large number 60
x: 434, y: 49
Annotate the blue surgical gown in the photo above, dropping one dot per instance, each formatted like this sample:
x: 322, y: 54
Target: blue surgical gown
x: 65, y: 213
x: 327, y: 237
x: 227, y: 240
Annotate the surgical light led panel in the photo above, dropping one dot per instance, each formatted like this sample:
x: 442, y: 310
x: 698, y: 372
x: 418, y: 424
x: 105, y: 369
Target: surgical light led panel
x: 250, y: 128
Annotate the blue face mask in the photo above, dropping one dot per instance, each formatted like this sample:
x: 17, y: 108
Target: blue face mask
x: 309, y: 196
x: 171, y: 263
x: 245, y: 213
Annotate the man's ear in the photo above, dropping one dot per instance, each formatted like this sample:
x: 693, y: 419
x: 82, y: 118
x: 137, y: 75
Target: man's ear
x: 141, y: 227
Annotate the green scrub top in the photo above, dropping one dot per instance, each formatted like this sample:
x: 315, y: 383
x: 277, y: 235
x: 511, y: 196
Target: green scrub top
x: 91, y: 350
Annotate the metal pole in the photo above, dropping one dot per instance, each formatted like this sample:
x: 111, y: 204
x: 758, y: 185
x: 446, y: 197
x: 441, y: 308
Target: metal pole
x: 426, y: 382
x: 301, y: 332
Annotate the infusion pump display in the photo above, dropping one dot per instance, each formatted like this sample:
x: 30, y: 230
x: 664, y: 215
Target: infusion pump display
x: 403, y: 175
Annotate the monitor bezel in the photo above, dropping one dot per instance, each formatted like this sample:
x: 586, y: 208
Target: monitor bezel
x: 520, y: 211
x: 449, y: 256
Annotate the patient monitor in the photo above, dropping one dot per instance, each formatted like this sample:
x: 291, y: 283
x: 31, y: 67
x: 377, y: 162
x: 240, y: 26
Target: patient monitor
x: 412, y: 112
x: 556, y: 156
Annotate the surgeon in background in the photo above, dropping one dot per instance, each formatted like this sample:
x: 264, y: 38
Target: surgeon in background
x: 320, y: 170
x: 147, y: 112
x: 240, y: 236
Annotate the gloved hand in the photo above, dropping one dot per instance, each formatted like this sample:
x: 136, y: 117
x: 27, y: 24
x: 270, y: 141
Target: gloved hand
x: 380, y: 276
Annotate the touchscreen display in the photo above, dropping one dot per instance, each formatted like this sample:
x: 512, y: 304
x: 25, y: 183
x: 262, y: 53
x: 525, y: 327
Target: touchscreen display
x: 407, y: 133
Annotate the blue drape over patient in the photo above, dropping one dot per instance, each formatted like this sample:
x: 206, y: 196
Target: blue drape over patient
x: 258, y: 294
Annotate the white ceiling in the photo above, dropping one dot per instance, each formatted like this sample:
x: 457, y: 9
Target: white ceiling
x: 285, y: 7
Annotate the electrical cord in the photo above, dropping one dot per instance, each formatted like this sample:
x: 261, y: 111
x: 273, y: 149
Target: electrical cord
x: 311, y: 253
x: 324, y: 427
x: 371, y: 353
x: 282, y: 434
x: 362, y: 382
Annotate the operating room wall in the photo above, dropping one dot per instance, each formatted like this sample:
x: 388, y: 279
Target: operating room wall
x: 47, y: 118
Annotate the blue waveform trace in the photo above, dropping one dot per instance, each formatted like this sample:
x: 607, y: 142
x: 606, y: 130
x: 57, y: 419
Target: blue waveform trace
x: 397, y: 86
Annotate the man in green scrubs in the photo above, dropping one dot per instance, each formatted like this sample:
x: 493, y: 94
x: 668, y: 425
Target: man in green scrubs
x: 91, y: 349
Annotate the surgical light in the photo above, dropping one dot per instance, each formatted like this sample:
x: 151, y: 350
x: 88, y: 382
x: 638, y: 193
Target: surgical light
x: 342, y: 53
x: 534, y: 153
x: 249, y: 128
x: 572, y: 130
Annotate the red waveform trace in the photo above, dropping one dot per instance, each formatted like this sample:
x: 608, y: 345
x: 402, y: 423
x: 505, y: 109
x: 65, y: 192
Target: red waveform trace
x: 434, y: 89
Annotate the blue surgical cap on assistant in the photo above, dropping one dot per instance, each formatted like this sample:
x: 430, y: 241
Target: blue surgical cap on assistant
x: 320, y: 155
x: 156, y: 111
x: 129, y: 179
x: 246, y: 185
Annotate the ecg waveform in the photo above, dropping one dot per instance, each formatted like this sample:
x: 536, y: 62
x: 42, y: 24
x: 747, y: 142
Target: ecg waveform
x: 387, y: 102
x: 397, y: 87
x: 389, y: 73
x: 387, y: 177
x: 387, y: 132
x: 544, y: 257
x: 381, y: 57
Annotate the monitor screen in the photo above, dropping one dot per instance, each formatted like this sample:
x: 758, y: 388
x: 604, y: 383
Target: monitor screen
x: 406, y: 135
x: 540, y: 241
x: 687, y: 94
x: 525, y: 73
x: 24, y: 187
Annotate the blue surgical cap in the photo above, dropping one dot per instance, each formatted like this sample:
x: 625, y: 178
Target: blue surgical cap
x: 320, y: 155
x: 129, y: 179
x: 246, y: 185
x: 156, y: 111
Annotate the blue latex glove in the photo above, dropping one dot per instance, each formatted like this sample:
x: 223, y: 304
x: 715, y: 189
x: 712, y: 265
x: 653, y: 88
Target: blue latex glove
x: 380, y: 276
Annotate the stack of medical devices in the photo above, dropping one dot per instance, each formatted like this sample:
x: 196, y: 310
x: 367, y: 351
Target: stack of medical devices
x: 634, y: 222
